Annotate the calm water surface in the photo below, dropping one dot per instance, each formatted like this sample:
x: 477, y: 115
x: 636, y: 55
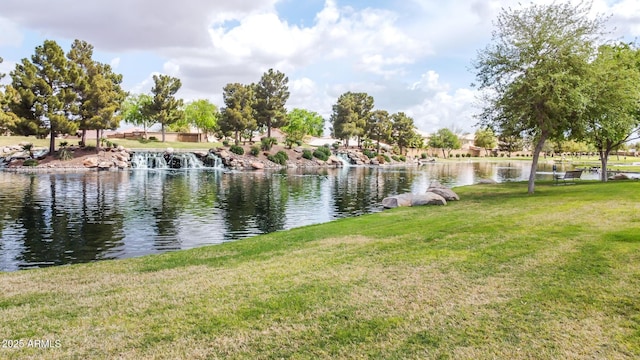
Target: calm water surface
x: 63, y: 218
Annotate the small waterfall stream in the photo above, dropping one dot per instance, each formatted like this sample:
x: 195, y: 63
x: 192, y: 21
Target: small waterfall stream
x: 346, y: 162
x: 180, y: 160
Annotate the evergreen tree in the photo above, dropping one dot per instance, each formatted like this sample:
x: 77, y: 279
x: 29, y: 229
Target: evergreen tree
x: 271, y: 95
x: 350, y: 116
x: 165, y: 107
x: 237, y: 115
x: 47, y: 98
x: 404, y: 131
x: 380, y: 127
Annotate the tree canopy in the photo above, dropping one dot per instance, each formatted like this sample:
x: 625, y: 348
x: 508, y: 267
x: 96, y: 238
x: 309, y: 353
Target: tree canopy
x: 532, y: 74
x: 302, y: 123
x: 271, y: 95
x: 350, y: 116
x: 446, y: 140
x: 237, y: 115
x: 165, y: 108
x: 134, y: 111
x: 486, y: 139
x: 203, y: 115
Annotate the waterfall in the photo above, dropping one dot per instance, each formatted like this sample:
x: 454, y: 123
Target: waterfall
x: 164, y: 160
x: 346, y: 162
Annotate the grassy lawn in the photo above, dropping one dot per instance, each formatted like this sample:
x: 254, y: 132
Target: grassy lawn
x: 127, y: 143
x: 499, y: 274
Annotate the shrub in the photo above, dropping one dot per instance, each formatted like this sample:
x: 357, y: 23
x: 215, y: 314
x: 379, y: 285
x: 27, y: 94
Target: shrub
x: 30, y: 162
x: 402, y: 158
x: 424, y: 155
x: 307, y: 154
x: 368, y: 153
x: 225, y: 143
x: 153, y: 138
x: 64, y: 143
x: 321, y: 155
x: 336, y: 145
x: 386, y: 158
x: 395, y: 158
x: 268, y: 142
x: 236, y: 149
x: 457, y: 155
x: 279, y: 158
x: 255, y: 150
x: 381, y: 159
x: 65, y: 154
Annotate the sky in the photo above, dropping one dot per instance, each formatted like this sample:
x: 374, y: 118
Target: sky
x: 413, y: 56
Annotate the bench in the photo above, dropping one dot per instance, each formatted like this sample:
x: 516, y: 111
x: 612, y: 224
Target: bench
x: 569, y: 175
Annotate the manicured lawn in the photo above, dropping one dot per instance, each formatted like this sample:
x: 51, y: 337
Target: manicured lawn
x: 500, y: 274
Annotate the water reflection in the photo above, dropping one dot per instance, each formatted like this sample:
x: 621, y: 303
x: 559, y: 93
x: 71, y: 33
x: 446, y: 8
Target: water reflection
x: 62, y: 218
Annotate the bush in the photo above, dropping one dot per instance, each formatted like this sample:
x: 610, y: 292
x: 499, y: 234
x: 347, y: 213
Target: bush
x: 225, y: 143
x: 368, y: 153
x: 321, y: 155
x: 279, y: 158
x: 255, y: 150
x: 386, y: 158
x: 395, y: 158
x: 65, y: 154
x: 236, y: 149
x: 153, y: 138
x: 64, y: 143
x: 424, y: 156
x: 381, y: 159
x: 402, y: 158
x: 268, y: 142
x: 307, y: 154
x: 30, y: 162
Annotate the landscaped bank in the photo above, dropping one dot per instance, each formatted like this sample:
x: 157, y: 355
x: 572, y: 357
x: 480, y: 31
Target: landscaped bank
x: 499, y: 274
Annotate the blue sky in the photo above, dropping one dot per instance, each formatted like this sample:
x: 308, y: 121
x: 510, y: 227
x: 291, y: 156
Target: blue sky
x: 412, y: 55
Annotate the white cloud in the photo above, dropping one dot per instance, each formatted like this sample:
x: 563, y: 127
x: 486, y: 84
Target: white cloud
x: 115, y: 62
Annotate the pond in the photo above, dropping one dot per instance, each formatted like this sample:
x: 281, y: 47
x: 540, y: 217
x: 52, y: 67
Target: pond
x: 49, y: 219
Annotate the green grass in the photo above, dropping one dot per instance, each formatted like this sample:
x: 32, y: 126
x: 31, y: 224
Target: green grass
x: 500, y: 274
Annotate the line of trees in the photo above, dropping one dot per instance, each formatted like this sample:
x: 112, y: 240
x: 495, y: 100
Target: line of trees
x: 549, y: 74
x: 353, y: 116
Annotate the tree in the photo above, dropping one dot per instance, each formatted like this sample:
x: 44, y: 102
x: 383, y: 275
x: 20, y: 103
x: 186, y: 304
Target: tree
x: 612, y: 114
x: 445, y: 140
x: 99, y: 94
x: 203, y: 115
x: 302, y: 123
x: 350, y: 115
x: 486, y: 139
x: 237, y: 115
x: 404, y: 131
x: 509, y: 143
x: 165, y: 108
x: 272, y: 93
x: 47, y: 98
x: 533, y: 72
x: 8, y: 119
x: 134, y: 111
x: 380, y: 127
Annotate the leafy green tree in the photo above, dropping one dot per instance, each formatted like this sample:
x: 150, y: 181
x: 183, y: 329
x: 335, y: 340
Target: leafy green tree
x: 134, y: 111
x: 47, y: 98
x: 165, y: 107
x: 100, y: 95
x: 350, y: 116
x: 203, y: 115
x: 302, y: 123
x: 532, y: 74
x: 404, y: 131
x: 445, y: 140
x: 612, y: 115
x: 486, y: 139
x: 380, y: 127
x: 237, y: 115
x: 271, y: 95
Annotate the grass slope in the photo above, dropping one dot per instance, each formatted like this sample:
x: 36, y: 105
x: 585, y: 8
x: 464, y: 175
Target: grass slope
x: 499, y: 274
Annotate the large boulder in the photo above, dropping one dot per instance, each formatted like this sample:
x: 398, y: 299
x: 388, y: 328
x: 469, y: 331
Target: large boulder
x: 429, y: 198
x: 447, y: 194
x: 91, y: 162
x: 256, y: 165
x: 392, y: 202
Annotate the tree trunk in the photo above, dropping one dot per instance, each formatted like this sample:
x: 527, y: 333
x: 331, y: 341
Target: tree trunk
x: 97, y: 140
x: 162, y: 132
x: 534, y: 163
x: 84, y: 137
x: 604, y: 158
x: 444, y: 154
x: 52, y: 141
